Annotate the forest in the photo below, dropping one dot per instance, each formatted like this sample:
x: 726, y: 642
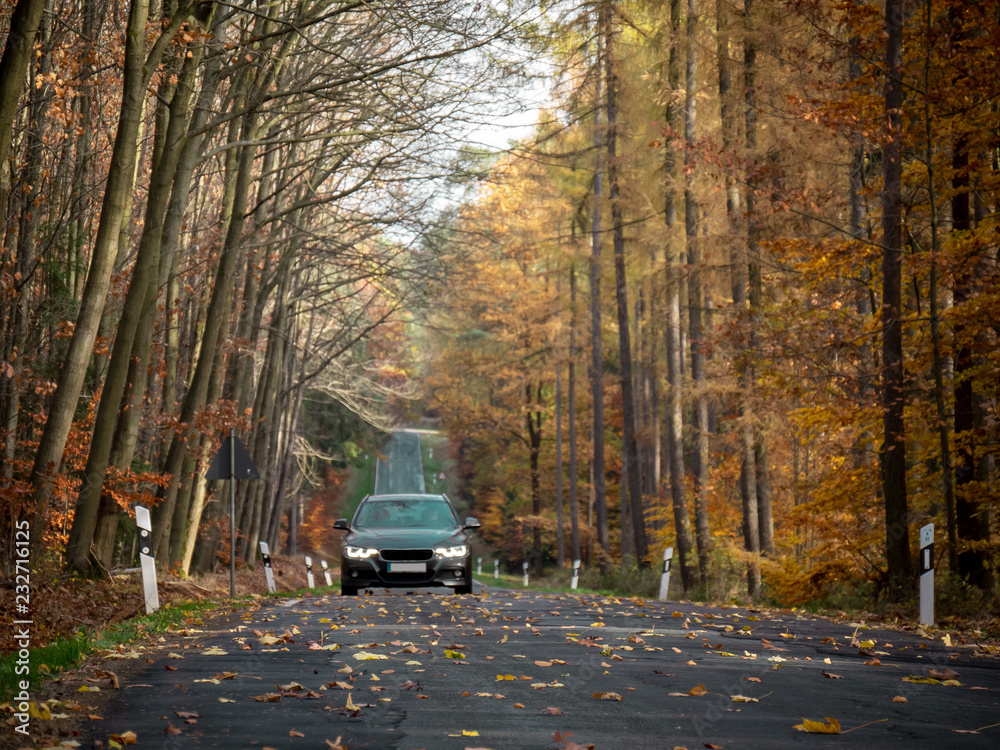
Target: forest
x: 735, y: 293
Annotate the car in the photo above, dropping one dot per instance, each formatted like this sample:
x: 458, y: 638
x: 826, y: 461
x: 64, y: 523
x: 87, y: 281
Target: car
x: 405, y: 541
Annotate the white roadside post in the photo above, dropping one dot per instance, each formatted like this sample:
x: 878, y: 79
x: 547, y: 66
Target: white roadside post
x: 668, y: 555
x: 524, y: 567
x: 326, y: 573
x: 479, y: 566
x: 265, y: 555
x: 309, y: 572
x: 148, y: 565
x: 576, y: 575
x: 927, y: 575
x: 496, y: 568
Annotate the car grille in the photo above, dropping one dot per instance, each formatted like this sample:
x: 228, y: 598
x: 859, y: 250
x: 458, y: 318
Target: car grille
x: 406, y: 554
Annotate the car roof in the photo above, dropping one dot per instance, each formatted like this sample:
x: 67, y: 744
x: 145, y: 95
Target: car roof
x: 405, y: 496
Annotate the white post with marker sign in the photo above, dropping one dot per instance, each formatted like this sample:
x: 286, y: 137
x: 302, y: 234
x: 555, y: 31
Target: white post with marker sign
x: 265, y: 555
x: 479, y: 566
x: 524, y: 567
x: 309, y: 572
x: 146, y: 561
x: 668, y: 556
x: 927, y: 575
x: 576, y: 575
x: 326, y: 573
x: 496, y: 568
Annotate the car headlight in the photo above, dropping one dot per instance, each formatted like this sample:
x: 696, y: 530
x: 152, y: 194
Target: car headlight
x: 460, y: 550
x: 360, y: 552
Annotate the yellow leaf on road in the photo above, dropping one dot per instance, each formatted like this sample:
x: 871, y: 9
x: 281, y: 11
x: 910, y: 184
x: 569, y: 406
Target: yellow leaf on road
x: 818, y: 727
x: 607, y: 696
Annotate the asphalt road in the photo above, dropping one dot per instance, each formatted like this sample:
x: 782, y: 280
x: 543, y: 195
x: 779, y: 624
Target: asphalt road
x: 503, y: 669
x: 400, y: 469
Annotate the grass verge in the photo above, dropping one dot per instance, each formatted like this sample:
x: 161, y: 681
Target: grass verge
x: 66, y: 653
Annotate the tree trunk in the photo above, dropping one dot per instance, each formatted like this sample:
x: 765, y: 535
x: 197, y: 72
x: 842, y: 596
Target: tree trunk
x: 574, y: 479
x: 696, y: 297
x: 674, y: 408
x: 17, y: 54
x: 893, y: 453
x: 138, y: 308
x: 629, y: 451
x: 597, y: 353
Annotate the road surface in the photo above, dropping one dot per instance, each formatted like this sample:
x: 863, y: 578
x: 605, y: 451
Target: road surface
x: 400, y: 469
x: 503, y: 669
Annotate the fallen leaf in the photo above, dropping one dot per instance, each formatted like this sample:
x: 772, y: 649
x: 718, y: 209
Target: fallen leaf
x: 552, y: 711
x: 744, y: 699
x: 294, y: 733
x: 818, y: 727
x: 900, y: 699
x: 226, y: 700
x: 518, y: 705
x: 214, y: 651
x: 698, y: 690
x: 186, y: 714
x: 268, y: 698
x: 607, y: 696
x: 943, y: 674
x: 171, y: 729
x: 335, y: 745
x: 366, y: 656
x: 543, y: 664
x: 453, y: 654
x: 831, y: 676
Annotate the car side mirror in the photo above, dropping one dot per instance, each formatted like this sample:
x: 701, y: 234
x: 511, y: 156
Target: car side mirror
x: 341, y: 523
x: 471, y: 523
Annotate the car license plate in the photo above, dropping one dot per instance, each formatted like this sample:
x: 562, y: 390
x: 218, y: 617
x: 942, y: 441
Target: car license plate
x: 398, y: 567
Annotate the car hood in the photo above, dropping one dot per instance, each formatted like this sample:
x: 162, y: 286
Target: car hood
x: 405, y: 538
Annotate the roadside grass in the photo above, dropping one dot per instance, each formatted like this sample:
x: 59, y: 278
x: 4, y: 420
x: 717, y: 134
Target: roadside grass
x: 559, y: 582
x: 48, y: 661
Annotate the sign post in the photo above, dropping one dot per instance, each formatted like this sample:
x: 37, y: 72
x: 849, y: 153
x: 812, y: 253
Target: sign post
x: 146, y: 561
x: 576, y: 575
x: 479, y: 566
x: 232, y: 462
x: 326, y: 573
x: 309, y: 572
x: 524, y: 566
x: 496, y: 568
x: 927, y: 575
x: 668, y: 555
x: 265, y: 555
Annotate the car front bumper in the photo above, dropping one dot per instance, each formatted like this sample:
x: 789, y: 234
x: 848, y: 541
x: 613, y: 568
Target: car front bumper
x: 374, y: 571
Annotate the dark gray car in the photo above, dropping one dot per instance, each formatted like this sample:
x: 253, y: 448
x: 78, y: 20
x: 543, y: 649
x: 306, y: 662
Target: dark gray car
x: 405, y: 541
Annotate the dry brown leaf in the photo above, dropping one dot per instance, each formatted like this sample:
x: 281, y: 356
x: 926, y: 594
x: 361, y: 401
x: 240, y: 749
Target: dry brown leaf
x: 900, y: 699
x: 186, y: 714
x: 294, y: 733
x: 873, y: 662
x: 607, y: 696
x: 518, y: 705
x: 698, y: 690
x: 831, y: 675
x: 171, y: 729
x: 335, y: 745
x: 943, y: 674
x: 268, y: 698
x: 552, y: 711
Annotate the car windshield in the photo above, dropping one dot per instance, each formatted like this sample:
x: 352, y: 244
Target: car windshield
x: 404, y: 513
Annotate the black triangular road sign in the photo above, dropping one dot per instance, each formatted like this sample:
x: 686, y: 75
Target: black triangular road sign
x: 244, y: 469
